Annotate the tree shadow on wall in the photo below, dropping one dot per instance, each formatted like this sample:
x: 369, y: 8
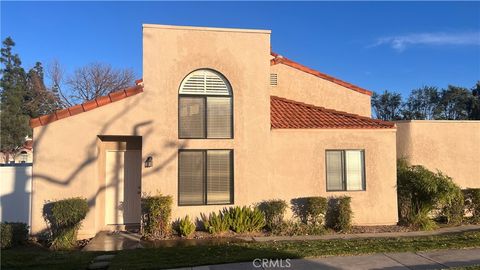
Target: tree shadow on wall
x: 142, y: 128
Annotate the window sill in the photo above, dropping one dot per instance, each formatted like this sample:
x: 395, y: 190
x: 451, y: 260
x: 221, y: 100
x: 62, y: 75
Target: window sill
x: 346, y: 190
x: 210, y: 204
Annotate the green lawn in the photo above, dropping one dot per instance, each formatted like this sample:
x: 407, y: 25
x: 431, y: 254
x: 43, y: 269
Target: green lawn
x: 33, y: 257
x: 473, y: 267
x: 170, y: 257
x: 155, y: 258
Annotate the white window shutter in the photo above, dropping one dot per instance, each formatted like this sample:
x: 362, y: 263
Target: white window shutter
x: 205, y: 82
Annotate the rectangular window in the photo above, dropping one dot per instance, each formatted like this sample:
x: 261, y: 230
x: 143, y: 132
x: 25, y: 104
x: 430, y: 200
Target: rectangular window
x: 205, y: 117
x: 345, y: 170
x: 190, y: 177
x: 205, y: 177
x: 192, y: 117
x: 219, y: 117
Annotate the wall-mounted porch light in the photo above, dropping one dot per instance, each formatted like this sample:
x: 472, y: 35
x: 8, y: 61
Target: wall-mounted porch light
x: 149, y: 162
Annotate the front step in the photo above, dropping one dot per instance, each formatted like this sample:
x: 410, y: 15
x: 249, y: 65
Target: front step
x: 133, y: 227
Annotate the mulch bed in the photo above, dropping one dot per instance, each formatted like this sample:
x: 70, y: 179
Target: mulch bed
x: 231, y: 234
x: 379, y: 229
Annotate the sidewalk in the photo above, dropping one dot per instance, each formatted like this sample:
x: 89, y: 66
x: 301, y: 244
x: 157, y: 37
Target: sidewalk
x: 458, y: 229
x: 441, y: 259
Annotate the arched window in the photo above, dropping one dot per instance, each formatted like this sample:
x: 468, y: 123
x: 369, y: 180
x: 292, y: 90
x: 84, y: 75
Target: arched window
x: 205, y: 106
x: 23, y: 157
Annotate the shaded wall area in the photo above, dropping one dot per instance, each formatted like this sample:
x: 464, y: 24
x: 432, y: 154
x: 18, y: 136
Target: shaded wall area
x: 68, y: 158
x: 15, y: 192
x: 452, y: 147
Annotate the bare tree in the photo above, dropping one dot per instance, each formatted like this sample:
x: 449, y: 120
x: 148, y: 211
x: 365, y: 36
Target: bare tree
x: 88, y: 82
x: 55, y: 73
x: 97, y: 79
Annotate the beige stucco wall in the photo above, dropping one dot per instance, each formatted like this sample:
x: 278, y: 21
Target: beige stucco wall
x: 452, y: 147
x: 301, y: 86
x: 298, y: 169
x: 68, y: 158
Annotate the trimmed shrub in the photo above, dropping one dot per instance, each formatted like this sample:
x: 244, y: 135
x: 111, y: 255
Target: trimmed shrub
x: 6, y: 235
x: 13, y: 233
x: 339, y: 214
x: 274, y: 210
x: 245, y: 219
x: 185, y: 226
x: 472, y: 202
x: 216, y: 223
x: 310, y: 210
x: 454, y: 210
x: 156, y: 214
x: 64, y: 218
x: 421, y: 191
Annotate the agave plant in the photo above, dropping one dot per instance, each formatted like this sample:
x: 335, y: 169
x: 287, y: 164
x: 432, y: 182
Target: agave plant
x: 245, y: 219
x: 214, y: 223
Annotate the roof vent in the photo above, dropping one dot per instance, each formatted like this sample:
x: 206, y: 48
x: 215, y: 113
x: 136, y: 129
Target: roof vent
x: 273, y: 79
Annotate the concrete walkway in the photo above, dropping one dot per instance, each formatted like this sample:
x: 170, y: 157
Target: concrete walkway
x: 112, y: 241
x: 441, y: 259
x: 447, y: 230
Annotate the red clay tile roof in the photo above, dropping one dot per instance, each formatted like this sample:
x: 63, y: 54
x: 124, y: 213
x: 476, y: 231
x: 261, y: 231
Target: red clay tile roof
x: 28, y: 145
x: 289, y: 114
x: 282, y: 60
x: 87, y: 106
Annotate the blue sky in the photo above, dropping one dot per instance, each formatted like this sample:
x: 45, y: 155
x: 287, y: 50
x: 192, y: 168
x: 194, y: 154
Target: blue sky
x: 376, y: 45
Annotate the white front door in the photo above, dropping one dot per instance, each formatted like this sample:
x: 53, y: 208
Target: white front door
x: 122, y: 193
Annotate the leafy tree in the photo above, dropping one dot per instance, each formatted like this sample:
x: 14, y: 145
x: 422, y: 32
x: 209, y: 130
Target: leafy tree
x: 387, y: 106
x: 473, y: 105
x: 422, y: 104
x: 13, y: 85
x: 454, y: 103
x: 39, y: 99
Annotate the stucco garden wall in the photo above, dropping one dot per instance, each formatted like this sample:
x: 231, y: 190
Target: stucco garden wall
x: 452, y: 147
x: 300, y: 86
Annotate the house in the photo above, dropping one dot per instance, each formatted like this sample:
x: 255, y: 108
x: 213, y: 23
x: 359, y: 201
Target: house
x: 217, y: 120
x: 23, y: 155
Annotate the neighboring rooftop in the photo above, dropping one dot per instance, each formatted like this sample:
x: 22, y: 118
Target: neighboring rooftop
x: 278, y: 59
x: 289, y: 114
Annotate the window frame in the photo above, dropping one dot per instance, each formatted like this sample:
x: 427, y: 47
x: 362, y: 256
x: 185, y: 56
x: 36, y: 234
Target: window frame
x: 205, y: 115
x: 344, y: 171
x: 205, y: 177
x: 24, y: 156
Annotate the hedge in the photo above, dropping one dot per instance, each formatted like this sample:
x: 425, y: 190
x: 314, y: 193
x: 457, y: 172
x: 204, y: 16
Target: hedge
x: 64, y: 218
